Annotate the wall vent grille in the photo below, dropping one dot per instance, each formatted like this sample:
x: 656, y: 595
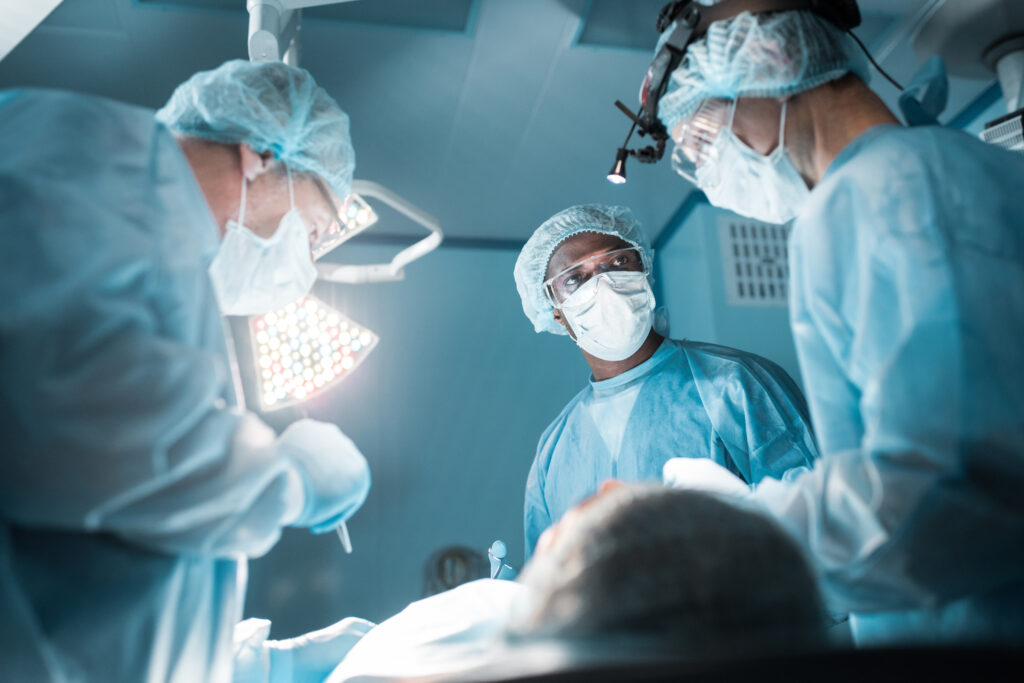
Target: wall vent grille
x: 755, y: 262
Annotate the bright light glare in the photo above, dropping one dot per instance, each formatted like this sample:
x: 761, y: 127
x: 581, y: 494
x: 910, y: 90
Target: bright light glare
x: 355, y: 216
x: 304, y: 349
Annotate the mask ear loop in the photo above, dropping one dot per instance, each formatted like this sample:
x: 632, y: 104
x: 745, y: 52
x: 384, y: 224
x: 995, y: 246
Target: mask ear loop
x: 291, y: 190
x: 732, y: 115
x: 241, y: 206
x: 782, y: 129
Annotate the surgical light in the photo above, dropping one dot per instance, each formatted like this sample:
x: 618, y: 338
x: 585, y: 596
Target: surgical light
x: 354, y: 216
x: 303, y: 349
x: 394, y: 270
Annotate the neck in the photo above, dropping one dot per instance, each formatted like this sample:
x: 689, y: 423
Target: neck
x: 218, y: 171
x: 606, y: 369
x: 821, y: 122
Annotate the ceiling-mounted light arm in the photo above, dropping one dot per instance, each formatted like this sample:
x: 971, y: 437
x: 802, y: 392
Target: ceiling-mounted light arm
x: 273, y: 30
x: 274, y: 27
x: 293, y: 51
x: 395, y: 270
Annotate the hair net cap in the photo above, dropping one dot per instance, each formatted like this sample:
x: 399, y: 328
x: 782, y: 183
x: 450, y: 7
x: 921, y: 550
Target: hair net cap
x: 533, y: 260
x: 271, y: 107
x: 758, y: 55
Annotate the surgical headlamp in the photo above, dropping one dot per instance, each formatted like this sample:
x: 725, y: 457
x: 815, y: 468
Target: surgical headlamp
x: 691, y: 21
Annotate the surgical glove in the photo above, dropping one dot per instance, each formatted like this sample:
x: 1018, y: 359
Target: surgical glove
x: 334, y: 473
x: 702, y: 474
x: 307, y: 658
x: 311, y: 657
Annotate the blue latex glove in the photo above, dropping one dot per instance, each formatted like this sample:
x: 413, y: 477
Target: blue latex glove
x: 334, y: 473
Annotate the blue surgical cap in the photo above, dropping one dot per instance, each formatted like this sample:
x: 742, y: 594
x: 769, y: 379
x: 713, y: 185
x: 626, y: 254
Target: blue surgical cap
x: 533, y: 260
x: 271, y: 107
x: 771, y: 54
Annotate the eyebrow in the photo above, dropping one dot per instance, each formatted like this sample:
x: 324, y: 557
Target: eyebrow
x: 579, y: 262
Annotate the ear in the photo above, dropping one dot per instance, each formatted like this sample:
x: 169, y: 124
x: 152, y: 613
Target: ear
x: 254, y: 163
x: 560, y: 319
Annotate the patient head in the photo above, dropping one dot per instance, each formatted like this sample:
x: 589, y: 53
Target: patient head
x: 681, y: 572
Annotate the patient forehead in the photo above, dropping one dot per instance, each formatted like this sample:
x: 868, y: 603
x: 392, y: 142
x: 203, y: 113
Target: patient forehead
x: 580, y: 246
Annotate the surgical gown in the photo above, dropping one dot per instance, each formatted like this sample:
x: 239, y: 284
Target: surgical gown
x: 908, y: 313
x: 687, y: 400
x: 130, y: 491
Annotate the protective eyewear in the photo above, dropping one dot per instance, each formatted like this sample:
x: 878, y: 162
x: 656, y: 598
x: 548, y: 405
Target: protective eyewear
x: 695, y: 137
x: 563, y: 284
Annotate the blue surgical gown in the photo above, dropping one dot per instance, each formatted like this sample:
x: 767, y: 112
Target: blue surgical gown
x: 907, y: 308
x: 130, y: 490
x: 687, y: 400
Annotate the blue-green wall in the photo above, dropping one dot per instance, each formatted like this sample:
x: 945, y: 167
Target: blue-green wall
x: 692, y: 285
x: 448, y: 410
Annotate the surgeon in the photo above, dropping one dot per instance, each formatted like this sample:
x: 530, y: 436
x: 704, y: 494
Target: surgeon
x: 133, y: 486
x: 907, y: 306
x: 586, y: 273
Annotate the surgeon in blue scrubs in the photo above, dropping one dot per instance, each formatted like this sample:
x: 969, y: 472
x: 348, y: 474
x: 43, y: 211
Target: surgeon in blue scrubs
x: 132, y: 485
x: 907, y: 306
x: 586, y: 273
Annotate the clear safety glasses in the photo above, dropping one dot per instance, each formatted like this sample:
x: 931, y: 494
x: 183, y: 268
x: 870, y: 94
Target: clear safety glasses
x: 564, y: 284
x: 695, y: 137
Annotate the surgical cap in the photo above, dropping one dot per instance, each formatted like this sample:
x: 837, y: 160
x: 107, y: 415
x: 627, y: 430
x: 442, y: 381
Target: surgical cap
x: 758, y: 55
x: 271, y: 107
x: 532, y: 263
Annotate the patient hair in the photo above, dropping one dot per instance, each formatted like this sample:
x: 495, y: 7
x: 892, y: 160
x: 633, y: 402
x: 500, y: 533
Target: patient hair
x: 682, y: 572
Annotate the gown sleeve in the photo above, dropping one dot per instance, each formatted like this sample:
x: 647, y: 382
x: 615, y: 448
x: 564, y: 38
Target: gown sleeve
x: 891, y: 511
x: 757, y: 411
x: 536, y: 517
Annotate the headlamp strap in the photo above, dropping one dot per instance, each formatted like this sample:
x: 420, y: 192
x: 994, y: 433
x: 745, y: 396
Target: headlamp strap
x: 844, y: 15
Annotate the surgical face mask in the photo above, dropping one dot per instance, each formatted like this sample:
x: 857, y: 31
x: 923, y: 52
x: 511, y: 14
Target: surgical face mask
x: 767, y: 188
x: 611, y: 314
x: 252, y: 274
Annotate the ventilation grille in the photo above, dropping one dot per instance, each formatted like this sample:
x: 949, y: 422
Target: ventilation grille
x: 755, y: 262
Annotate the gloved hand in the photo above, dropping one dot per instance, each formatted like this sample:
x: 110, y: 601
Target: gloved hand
x: 311, y: 657
x: 334, y: 473
x: 304, y: 659
x: 701, y: 474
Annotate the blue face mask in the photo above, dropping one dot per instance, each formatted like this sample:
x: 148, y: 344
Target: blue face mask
x: 766, y: 188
